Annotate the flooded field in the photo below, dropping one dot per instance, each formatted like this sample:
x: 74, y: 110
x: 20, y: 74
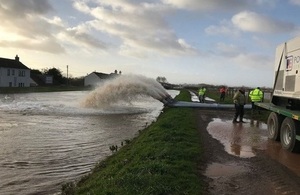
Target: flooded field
x: 48, y: 139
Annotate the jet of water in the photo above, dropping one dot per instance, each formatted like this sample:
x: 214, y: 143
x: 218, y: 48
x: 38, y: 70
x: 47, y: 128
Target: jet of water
x: 125, y: 88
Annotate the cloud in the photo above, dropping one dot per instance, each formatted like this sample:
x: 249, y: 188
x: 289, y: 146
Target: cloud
x: 262, y: 42
x: 46, y: 45
x: 225, y: 28
x: 254, y: 22
x: 269, y: 3
x: 23, y: 22
x: 139, y: 27
x: 257, y: 61
x: 218, y: 5
x: 17, y: 16
x: 20, y: 9
x: 205, y: 5
x: 239, y: 56
x: 44, y: 33
x: 247, y: 21
x: 230, y: 50
x: 294, y: 2
x: 75, y: 36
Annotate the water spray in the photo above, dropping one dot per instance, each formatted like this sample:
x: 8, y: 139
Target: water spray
x: 126, y: 88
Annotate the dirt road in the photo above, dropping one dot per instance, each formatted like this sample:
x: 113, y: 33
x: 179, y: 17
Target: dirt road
x: 236, y: 158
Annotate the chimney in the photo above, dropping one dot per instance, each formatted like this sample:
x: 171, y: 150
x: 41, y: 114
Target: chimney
x: 17, y: 58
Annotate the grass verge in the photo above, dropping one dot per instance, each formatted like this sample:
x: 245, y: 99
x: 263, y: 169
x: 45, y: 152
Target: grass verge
x: 163, y: 159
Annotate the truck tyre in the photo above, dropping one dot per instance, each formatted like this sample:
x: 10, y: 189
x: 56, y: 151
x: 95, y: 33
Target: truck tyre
x: 288, y: 135
x: 274, y: 123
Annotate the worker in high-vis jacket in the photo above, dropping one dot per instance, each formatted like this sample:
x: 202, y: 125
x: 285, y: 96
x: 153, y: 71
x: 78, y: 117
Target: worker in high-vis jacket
x: 201, y: 94
x: 256, y: 95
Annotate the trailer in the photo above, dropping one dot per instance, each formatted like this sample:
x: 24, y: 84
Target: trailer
x: 284, y: 119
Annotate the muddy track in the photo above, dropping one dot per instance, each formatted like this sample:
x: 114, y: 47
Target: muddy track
x: 256, y: 175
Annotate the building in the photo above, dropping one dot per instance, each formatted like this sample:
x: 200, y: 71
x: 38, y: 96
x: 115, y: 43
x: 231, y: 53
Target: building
x: 95, y: 78
x: 14, y: 73
x: 41, y: 80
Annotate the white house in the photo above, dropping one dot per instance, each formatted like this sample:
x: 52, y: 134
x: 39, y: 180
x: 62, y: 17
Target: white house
x: 14, y: 73
x: 97, y: 77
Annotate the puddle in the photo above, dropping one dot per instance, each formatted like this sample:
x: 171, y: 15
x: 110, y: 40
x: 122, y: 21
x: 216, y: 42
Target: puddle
x: 241, y: 139
x: 216, y: 170
x: 247, y: 139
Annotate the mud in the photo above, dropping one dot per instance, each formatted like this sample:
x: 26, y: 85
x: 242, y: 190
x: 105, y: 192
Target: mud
x: 216, y: 170
x: 239, y: 159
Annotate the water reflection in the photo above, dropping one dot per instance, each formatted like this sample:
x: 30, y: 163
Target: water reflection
x: 235, y: 142
x: 240, y: 139
x: 247, y: 139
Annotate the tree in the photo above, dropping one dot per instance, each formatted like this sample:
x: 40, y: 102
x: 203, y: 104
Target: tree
x: 58, y: 78
x: 161, y: 79
x: 35, y: 72
x: 79, y: 81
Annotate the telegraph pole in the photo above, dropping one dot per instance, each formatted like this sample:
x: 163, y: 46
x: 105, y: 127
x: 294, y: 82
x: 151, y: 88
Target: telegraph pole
x: 67, y: 75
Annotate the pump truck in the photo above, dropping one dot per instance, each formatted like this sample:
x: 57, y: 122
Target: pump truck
x: 284, y: 119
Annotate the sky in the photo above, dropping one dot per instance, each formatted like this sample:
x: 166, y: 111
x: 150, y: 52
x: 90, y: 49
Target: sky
x: 219, y: 42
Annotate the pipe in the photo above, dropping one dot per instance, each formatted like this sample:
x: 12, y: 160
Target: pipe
x: 212, y: 106
x: 167, y: 100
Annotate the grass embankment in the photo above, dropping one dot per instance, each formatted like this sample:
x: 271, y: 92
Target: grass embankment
x: 161, y: 160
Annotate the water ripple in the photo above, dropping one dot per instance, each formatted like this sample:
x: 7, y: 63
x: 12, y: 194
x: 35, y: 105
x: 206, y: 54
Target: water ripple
x: 47, y: 140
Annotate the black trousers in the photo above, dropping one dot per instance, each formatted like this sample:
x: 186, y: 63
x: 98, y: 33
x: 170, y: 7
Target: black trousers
x: 254, y: 107
x: 239, y: 112
x: 222, y: 97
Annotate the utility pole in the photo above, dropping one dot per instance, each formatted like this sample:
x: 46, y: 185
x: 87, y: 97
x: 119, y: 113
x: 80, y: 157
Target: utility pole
x: 67, y: 75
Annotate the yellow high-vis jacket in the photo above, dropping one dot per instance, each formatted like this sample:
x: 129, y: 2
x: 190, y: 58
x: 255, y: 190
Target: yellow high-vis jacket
x: 256, y: 95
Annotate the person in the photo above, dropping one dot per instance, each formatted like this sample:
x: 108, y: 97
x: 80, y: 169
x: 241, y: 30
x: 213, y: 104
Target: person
x: 222, y: 96
x: 201, y: 94
x: 239, y: 101
x: 256, y: 95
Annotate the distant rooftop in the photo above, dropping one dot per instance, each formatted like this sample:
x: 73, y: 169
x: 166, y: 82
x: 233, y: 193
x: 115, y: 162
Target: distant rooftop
x: 104, y: 75
x: 12, y: 63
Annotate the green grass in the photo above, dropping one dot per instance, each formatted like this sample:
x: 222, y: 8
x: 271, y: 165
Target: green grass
x: 163, y: 159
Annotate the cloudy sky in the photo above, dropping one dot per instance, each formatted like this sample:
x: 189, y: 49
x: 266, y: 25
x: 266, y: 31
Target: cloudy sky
x: 229, y: 42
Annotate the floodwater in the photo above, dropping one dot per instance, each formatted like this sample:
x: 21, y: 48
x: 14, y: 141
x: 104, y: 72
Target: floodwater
x: 48, y: 139
x: 246, y: 140
x: 239, y: 139
x: 216, y: 170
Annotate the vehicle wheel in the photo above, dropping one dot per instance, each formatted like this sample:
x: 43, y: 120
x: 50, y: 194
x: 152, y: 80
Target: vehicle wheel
x: 274, y: 123
x: 288, y: 135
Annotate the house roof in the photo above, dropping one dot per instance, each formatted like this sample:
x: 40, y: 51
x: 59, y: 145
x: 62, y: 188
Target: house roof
x: 104, y: 76
x: 12, y: 63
